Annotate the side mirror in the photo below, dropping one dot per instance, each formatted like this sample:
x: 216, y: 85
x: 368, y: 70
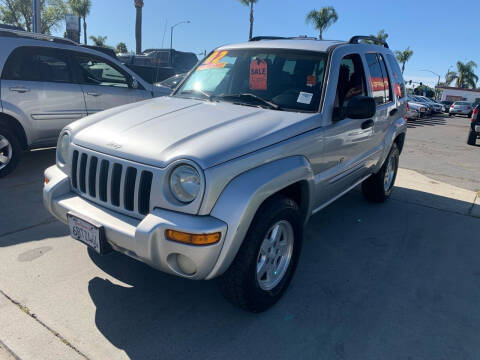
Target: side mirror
x: 360, y: 107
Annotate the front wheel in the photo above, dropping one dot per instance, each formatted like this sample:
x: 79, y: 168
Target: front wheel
x: 472, y: 138
x: 266, y: 261
x: 10, y: 151
x: 378, y: 187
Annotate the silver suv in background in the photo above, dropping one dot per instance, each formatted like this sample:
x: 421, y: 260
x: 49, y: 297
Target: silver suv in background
x: 461, y: 108
x: 47, y: 82
x: 219, y: 179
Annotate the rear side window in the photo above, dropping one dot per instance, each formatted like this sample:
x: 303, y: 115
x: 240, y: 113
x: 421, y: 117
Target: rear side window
x: 379, y: 78
x: 397, y: 78
x: 37, y: 64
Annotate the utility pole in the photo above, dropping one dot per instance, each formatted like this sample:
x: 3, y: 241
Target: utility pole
x: 171, y: 38
x: 37, y: 28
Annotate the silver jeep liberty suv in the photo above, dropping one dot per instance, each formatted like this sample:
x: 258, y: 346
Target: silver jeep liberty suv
x: 219, y: 179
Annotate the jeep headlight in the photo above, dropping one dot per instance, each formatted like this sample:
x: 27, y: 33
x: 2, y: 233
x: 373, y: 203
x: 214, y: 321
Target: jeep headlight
x: 185, y: 183
x: 62, y: 148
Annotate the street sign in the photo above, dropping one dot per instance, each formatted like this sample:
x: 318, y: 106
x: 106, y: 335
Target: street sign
x: 73, y: 23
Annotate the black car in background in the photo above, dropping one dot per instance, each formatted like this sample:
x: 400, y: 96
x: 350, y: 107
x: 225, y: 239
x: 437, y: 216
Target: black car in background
x: 446, y: 104
x: 474, y: 132
x: 155, y: 65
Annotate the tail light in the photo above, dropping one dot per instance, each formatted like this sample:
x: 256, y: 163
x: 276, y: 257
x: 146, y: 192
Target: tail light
x: 451, y: 106
x: 474, y: 114
x: 408, y: 107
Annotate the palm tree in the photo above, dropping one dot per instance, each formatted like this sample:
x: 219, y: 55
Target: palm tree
x: 381, y: 35
x: 250, y: 3
x: 322, y: 19
x: 465, y: 76
x: 404, y: 56
x: 81, y: 8
x: 122, y: 48
x: 99, y: 40
x: 138, y: 25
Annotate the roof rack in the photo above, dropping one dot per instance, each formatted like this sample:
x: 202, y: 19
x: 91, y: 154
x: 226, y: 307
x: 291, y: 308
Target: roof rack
x: 35, y: 36
x: 258, y: 38
x: 301, y: 37
x: 354, y: 40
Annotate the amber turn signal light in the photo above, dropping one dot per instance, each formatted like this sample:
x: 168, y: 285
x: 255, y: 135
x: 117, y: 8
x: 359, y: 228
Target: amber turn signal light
x: 192, y: 239
x: 46, y: 180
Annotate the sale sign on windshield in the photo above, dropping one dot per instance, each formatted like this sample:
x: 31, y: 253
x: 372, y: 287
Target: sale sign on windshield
x: 258, y: 74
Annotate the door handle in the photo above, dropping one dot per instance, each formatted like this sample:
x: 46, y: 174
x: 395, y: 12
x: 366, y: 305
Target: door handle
x: 19, y: 89
x: 393, y: 112
x: 93, y: 94
x: 367, y: 124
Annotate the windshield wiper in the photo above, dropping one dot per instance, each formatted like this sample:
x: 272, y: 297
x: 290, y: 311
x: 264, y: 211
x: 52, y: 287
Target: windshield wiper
x: 270, y: 104
x: 208, y: 96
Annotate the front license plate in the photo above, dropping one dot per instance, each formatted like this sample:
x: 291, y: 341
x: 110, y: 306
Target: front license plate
x: 87, y: 232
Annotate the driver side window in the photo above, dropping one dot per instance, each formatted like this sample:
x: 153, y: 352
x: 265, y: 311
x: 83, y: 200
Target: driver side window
x: 351, y: 80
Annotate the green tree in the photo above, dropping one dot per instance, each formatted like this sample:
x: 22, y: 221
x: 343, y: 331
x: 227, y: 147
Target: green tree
x: 423, y: 88
x: 138, y: 25
x: 81, y: 8
x: 322, y: 19
x: 99, y: 40
x: 403, y: 57
x: 122, y: 48
x: 381, y: 35
x: 19, y: 13
x: 465, y: 75
x: 250, y: 3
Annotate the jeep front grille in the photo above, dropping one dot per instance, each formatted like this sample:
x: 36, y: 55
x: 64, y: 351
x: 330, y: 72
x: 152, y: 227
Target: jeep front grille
x: 112, y: 182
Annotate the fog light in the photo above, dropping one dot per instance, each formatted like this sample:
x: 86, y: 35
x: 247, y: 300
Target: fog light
x: 192, y: 239
x: 186, y: 264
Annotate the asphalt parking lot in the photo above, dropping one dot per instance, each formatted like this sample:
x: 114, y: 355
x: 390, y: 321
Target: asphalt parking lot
x: 394, y: 281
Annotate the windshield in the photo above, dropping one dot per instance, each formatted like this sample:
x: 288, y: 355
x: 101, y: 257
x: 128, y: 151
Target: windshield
x: 274, y: 78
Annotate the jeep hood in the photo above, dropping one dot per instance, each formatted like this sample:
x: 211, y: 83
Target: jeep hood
x: 161, y: 130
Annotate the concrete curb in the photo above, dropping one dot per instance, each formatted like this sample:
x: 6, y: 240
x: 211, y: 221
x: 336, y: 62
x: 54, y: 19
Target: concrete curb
x: 435, y: 194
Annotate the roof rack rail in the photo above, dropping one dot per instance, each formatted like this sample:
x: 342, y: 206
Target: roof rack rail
x: 258, y: 38
x: 35, y: 36
x: 354, y: 40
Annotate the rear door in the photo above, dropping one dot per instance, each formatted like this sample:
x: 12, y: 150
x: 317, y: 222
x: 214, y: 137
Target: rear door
x: 38, y: 83
x: 105, y: 84
x: 381, y: 91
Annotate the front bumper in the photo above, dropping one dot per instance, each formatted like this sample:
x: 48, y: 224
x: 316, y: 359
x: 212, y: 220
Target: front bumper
x: 143, y: 239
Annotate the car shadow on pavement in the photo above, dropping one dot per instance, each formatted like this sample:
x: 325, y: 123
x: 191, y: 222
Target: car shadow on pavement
x: 372, y: 280
x: 21, y: 202
x: 431, y: 121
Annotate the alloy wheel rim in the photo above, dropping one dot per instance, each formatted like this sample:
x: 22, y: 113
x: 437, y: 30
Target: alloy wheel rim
x: 389, y: 173
x: 275, y: 255
x: 6, y: 152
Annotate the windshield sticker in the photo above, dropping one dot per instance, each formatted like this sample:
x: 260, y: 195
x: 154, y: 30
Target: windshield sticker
x: 258, y: 74
x: 213, y: 61
x: 311, y: 80
x: 305, y: 98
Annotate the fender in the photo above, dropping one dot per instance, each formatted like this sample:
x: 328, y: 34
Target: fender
x: 397, y: 128
x: 20, y: 117
x: 240, y: 200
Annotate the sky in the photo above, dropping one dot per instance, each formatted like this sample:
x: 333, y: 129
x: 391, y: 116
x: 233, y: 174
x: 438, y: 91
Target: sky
x: 430, y: 28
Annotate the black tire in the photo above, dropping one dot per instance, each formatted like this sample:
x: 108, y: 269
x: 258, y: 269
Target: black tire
x: 15, y: 148
x: 374, y: 187
x: 239, y: 283
x: 450, y: 115
x: 472, y: 138
x: 469, y: 115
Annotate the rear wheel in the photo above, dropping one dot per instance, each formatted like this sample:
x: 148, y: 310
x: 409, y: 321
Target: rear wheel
x: 10, y: 151
x: 469, y: 115
x: 472, y: 138
x: 266, y: 261
x: 378, y: 188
